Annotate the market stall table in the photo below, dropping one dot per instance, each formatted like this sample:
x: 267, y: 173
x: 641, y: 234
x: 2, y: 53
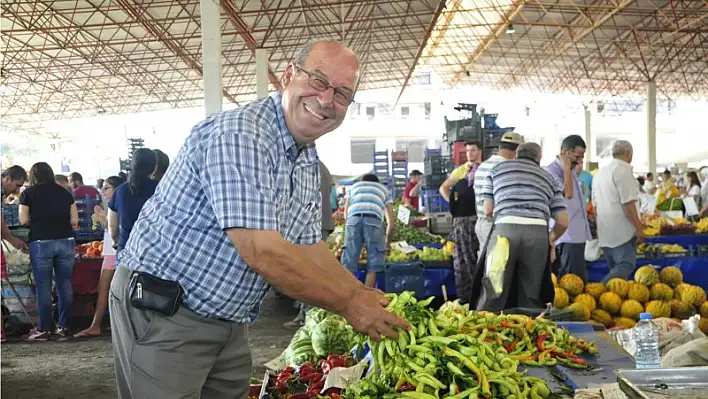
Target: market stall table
x: 685, y: 241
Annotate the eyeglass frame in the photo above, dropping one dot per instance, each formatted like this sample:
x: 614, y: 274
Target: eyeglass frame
x: 311, y: 75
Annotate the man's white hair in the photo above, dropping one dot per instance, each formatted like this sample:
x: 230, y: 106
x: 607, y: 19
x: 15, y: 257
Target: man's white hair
x: 621, y: 148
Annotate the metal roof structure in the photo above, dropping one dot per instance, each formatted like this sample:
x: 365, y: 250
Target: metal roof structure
x: 73, y: 58
x: 595, y: 47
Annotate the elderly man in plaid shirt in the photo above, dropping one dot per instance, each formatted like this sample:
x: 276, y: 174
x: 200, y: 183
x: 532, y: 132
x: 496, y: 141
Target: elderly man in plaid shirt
x: 238, y: 210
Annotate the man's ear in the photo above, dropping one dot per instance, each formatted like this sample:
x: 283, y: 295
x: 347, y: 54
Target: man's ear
x: 288, y: 75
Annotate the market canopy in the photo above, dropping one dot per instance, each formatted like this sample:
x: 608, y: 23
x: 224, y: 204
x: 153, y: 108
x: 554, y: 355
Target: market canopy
x: 67, y: 59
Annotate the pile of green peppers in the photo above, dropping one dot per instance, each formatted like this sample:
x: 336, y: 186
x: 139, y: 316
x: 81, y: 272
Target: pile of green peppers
x: 447, y: 354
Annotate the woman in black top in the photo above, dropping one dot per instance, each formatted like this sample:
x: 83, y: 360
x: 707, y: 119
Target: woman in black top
x: 50, y: 212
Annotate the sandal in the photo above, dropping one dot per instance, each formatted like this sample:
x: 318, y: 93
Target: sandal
x: 86, y: 335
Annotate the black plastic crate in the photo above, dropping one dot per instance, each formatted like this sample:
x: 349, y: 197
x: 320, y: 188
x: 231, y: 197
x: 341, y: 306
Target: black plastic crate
x: 492, y: 137
x: 433, y: 182
x: 465, y: 133
x: 438, y: 164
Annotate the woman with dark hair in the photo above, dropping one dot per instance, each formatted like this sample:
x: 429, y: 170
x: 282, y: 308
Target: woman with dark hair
x: 693, y: 188
x: 129, y: 198
x: 108, y: 268
x: 163, y: 162
x: 50, y: 212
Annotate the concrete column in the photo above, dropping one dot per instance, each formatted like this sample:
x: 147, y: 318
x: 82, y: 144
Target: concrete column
x: 211, y: 51
x: 590, y: 146
x: 261, y: 73
x: 651, y: 126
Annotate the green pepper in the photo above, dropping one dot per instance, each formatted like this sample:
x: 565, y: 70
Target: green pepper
x: 454, y: 369
x: 417, y: 395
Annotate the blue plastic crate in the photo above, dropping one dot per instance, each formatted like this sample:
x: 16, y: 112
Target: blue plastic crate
x: 11, y: 214
x: 435, y: 203
x: 432, y: 151
x: 401, y: 277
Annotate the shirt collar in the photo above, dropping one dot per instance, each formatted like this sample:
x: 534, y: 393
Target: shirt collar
x: 621, y: 162
x: 291, y: 148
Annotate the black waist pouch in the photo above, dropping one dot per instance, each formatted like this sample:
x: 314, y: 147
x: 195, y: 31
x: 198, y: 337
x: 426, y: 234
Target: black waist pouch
x: 148, y: 292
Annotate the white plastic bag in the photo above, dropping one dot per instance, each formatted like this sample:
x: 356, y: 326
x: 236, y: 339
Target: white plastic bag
x: 592, y: 250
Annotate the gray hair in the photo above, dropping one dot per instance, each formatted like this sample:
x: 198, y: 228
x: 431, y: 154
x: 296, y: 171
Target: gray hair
x: 620, y: 148
x: 530, y: 150
x: 302, y: 53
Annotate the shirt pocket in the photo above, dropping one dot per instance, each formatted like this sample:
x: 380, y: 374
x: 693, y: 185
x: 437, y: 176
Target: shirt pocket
x: 301, y: 215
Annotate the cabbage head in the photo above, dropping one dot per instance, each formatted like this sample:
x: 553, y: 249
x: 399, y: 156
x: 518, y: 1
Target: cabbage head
x: 331, y: 336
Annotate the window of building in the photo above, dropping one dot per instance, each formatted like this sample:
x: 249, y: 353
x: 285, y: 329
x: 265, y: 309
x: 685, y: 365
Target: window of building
x: 405, y: 111
x: 415, y: 148
x: 428, y: 109
x: 421, y: 78
x: 355, y: 110
x: 370, y: 112
x: 362, y: 151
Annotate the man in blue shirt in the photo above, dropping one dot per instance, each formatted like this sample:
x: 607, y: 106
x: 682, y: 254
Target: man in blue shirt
x: 239, y: 209
x: 368, y: 203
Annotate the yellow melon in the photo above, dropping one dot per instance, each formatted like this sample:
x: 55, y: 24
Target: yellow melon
x: 618, y: 286
x: 646, y: 275
x: 637, y: 291
x: 658, y: 309
x: 587, y: 300
x: 623, y: 322
x: 679, y: 289
x: 580, y: 311
x: 602, y: 317
x: 595, y: 289
x: 610, y: 302
x: 561, y: 300
x: 572, y: 284
x: 703, y: 310
x: 671, y: 275
x: 554, y: 279
x: 680, y: 310
x: 631, y: 309
x: 661, y: 292
x: 693, y: 295
x: 703, y: 325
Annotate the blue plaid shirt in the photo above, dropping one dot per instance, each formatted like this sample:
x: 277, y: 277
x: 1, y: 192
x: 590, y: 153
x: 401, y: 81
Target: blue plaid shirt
x: 237, y: 169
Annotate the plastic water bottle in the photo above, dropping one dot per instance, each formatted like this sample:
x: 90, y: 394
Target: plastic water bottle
x: 646, y: 336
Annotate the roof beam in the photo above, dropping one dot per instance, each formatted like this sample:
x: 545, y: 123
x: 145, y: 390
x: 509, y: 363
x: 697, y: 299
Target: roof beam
x: 244, y: 31
x: 423, y: 44
x: 514, y: 10
x: 163, y: 36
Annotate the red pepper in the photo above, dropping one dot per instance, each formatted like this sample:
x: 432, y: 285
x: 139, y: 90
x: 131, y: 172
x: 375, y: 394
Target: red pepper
x: 334, y: 395
x: 326, y: 366
x: 406, y: 387
x: 332, y: 391
x: 505, y: 324
x: 493, y: 329
x: 316, y: 386
x: 579, y: 361
x: 539, y: 341
x: 309, y: 377
x: 288, y: 370
x: 337, y: 361
x: 510, y: 347
x: 306, y: 395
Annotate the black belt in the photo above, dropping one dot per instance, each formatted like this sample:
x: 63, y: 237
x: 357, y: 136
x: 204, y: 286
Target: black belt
x: 367, y: 215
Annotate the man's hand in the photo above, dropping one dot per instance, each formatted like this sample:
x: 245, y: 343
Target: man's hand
x: 566, y: 160
x: 367, y: 313
x: 640, y: 235
x: 17, y: 243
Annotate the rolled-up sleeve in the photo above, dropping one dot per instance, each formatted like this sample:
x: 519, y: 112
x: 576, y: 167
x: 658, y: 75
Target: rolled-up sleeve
x: 238, y: 182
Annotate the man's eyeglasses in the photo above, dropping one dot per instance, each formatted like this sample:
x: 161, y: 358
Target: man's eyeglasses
x: 319, y: 83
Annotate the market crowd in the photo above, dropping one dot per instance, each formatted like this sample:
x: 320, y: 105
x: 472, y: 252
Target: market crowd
x: 247, y: 205
x: 52, y: 207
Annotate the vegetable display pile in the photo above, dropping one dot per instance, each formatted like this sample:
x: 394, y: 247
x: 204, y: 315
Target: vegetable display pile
x: 457, y: 353
x: 413, y: 235
x: 307, y: 380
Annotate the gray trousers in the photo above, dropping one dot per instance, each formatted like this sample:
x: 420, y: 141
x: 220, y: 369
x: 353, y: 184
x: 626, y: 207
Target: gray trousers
x: 481, y: 229
x: 571, y: 259
x: 185, y: 356
x: 528, y: 256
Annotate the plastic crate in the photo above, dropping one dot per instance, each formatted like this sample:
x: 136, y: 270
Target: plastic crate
x: 432, y: 151
x: 459, y: 153
x: 437, y: 164
x: 465, y: 133
x: 11, y: 214
x: 410, y: 276
x: 440, y: 223
x: 492, y: 137
x: 434, y: 202
x: 433, y: 182
x: 399, y: 156
x: 490, y: 121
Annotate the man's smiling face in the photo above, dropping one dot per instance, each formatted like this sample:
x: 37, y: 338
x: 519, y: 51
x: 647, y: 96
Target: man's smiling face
x: 311, y: 111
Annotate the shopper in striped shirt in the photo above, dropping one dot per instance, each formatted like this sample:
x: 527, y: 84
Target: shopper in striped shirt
x: 507, y: 150
x: 367, y: 204
x: 522, y: 197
